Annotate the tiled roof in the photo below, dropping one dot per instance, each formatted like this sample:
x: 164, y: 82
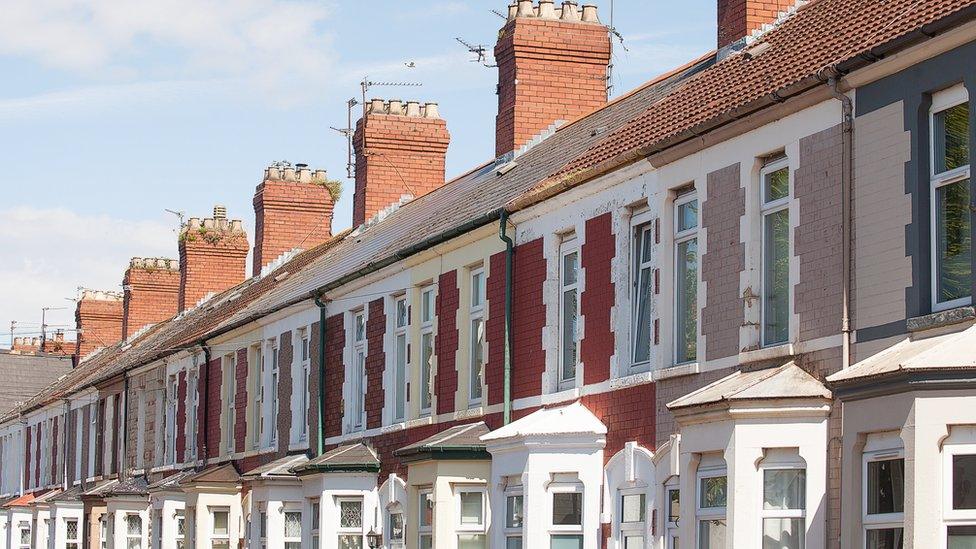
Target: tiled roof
x: 132, y: 486
x: 352, y: 457
x: 220, y: 474
x: 789, y: 58
x: 171, y: 482
x: 278, y: 468
x: 460, y: 438
x: 70, y: 495
x: 100, y: 488
x: 788, y: 381
x: 25, y: 375
x: 21, y: 501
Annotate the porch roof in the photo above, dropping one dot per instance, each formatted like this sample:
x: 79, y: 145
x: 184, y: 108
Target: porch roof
x: 574, y: 419
x: 278, y: 468
x: 458, y: 442
x: 348, y: 458
x: 788, y: 381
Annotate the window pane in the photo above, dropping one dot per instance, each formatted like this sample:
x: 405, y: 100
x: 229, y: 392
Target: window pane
x: 426, y: 362
x: 784, y: 489
x: 293, y: 545
x: 513, y: 542
x: 776, y: 277
x: 350, y: 542
x: 427, y: 308
x: 964, y: 482
x: 315, y: 515
x: 633, y: 508
x: 513, y: 514
x: 133, y: 525
x: 783, y: 533
x: 711, y: 534
x: 426, y: 541
x: 477, y: 288
x: 293, y: 525
x: 477, y: 357
x: 566, y: 542
x: 220, y: 523
x: 351, y: 514
x: 568, y: 371
x: 360, y: 327
x: 427, y: 509
x: 888, y: 538
x: 570, y: 268
x: 567, y: 508
x: 714, y: 492
x: 886, y: 486
x: 674, y: 505
x: 686, y: 288
x: 401, y: 376
x: 396, y: 526
x: 263, y: 524
x: 951, y: 134
x: 634, y: 542
x: 962, y: 537
x: 642, y: 316
x: 471, y: 541
x: 401, y: 313
x: 471, y: 508
x: 953, y: 239
x: 776, y: 185
x: 687, y: 216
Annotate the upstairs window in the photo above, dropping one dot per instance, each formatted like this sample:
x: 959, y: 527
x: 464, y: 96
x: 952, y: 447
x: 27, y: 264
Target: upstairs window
x: 272, y: 420
x: 950, y: 197
x: 568, y: 312
x: 775, y: 178
x: 401, y: 359
x: 193, y: 400
x: 642, y: 286
x: 686, y: 279
x: 172, y: 394
x: 427, y: 315
x: 303, y: 384
x: 258, y: 410
x: 477, y: 316
x: 357, y: 395
x: 229, y: 390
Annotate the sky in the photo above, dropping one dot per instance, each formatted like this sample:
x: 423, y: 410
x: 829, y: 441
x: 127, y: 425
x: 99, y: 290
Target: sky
x: 112, y: 111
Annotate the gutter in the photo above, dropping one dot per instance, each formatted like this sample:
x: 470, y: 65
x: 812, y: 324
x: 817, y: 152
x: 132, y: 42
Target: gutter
x: 202, y: 448
x: 509, y: 280
x: 320, y: 435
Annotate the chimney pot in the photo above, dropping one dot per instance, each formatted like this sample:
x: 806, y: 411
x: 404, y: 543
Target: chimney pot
x: 431, y: 111
x: 547, y: 9
x: 413, y: 108
x: 396, y: 107
x: 272, y: 174
x: 304, y: 175
x: 320, y: 176
x: 377, y: 106
x: 570, y: 12
x: 289, y: 174
x: 590, y: 14
x: 525, y: 9
x: 512, y: 11
x: 193, y: 224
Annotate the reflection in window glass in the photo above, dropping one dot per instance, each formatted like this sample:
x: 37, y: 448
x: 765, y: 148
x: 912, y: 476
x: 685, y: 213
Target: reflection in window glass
x: 714, y: 492
x: 711, y: 534
x: 886, y: 487
x: 951, y: 133
x: 783, y: 533
x: 964, y: 481
x: 784, y: 489
x: 566, y: 542
x: 513, y: 515
x: 569, y: 307
x: 633, y: 508
x: 643, y: 275
x: 567, y: 508
x: 953, y: 241
x: 885, y: 538
x: 472, y: 511
x: 962, y: 537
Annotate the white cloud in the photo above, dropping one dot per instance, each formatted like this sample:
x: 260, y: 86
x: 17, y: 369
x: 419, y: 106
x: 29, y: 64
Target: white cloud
x: 49, y: 252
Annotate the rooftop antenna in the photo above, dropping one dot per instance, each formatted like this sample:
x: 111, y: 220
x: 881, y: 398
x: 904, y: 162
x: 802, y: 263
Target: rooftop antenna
x: 180, y: 214
x: 480, y: 51
x: 366, y: 84
x: 348, y: 132
x: 614, y: 33
x: 499, y: 14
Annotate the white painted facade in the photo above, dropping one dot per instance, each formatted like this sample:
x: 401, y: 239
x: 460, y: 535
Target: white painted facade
x: 128, y: 522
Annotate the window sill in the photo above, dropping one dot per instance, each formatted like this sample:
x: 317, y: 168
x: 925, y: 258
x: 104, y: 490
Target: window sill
x: 678, y: 370
x: 939, y: 319
x: 783, y: 350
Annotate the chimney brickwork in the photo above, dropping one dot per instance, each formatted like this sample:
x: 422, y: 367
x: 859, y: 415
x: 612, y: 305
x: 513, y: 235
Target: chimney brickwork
x: 26, y: 345
x: 213, y: 257
x: 400, y: 150
x: 98, y: 316
x: 738, y: 18
x: 292, y: 209
x: 552, y: 66
x: 151, y: 290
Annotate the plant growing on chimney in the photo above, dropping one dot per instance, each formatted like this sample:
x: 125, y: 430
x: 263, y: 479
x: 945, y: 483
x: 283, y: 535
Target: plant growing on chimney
x: 334, y: 186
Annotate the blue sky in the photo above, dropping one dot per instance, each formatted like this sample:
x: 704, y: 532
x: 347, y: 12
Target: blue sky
x: 113, y: 110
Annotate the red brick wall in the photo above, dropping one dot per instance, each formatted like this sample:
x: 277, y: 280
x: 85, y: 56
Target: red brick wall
x: 628, y: 414
x: 212, y: 408
x: 335, y: 374
x: 99, y: 322
x: 181, y: 389
x: 529, y: 312
x: 391, y: 149
x: 597, y: 299
x: 240, y: 402
x: 495, y: 329
x: 448, y: 300
x: 547, y: 71
x: 210, y: 261
x: 283, y: 421
x: 151, y: 294
x: 288, y: 215
x: 738, y: 18
x: 375, y: 363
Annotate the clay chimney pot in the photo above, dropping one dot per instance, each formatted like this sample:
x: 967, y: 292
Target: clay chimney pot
x: 590, y: 14
x: 547, y: 9
x: 525, y: 9
x: 570, y: 11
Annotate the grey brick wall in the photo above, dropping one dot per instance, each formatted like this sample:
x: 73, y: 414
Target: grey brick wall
x: 818, y: 239
x: 723, y: 260
x: 283, y: 421
x: 667, y: 390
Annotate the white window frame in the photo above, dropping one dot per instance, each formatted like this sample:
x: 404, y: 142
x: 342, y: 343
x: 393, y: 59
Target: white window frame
x: 566, y: 529
x: 216, y: 538
x: 942, y: 101
x: 671, y: 527
x: 179, y: 517
x: 315, y: 517
x: 781, y: 513
x: 425, y: 530
x: 305, y: 356
x: 476, y: 315
x: 301, y: 520
x: 428, y: 312
x: 954, y: 517
x: 274, y: 374
x: 192, y: 410
x: 636, y: 528
x: 108, y: 440
x: 514, y: 531
x: 400, y: 332
x: 568, y: 246
x: 263, y: 525
x: 640, y: 224
x: 883, y: 521
x: 93, y: 429
x: 21, y: 527
x: 767, y: 209
x: 359, y: 531
x: 258, y: 411
x: 172, y: 397
x: 681, y: 237
x: 480, y: 529
x: 69, y: 542
x: 357, y: 373
x: 230, y: 395
x: 703, y: 514
x: 129, y: 536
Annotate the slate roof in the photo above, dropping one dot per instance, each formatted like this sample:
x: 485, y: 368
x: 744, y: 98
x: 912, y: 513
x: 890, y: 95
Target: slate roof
x: 100, y: 489
x: 788, y: 381
x: 70, y: 495
x: 132, y: 486
x: 278, y: 468
x: 171, y: 482
x: 26, y: 375
x: 460, y: 438
x: 562, y: 420
x: 351, y: 457
x: 221, y: 474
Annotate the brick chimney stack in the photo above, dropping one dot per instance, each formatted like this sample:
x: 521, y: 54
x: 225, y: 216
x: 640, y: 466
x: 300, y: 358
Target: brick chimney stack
x: 292, y: 209
x: 552, y: 66
x: 400, y: 150
x: 213, y: 257
x: 57, y: 345
x: 151, y: 287
x: 26, y: 345
x: 98, y: 317
x: 738, y: 18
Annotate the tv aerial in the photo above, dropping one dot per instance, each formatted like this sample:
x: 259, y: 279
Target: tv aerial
x: 480, y: 52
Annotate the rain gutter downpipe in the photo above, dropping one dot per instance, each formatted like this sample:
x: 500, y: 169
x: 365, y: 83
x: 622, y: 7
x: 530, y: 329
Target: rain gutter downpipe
x: 847, y: 177
x: 509, y: 256
x: 320, y: 436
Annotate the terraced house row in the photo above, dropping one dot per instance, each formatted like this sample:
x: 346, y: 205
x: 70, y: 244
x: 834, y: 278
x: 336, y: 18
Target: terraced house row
x: 731, y: 308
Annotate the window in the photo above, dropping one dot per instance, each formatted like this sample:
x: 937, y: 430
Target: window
x: 193, y: 399
x: 171, y: 400
x: 425, y: 520
x: 477, y: 316
x: 220, y: 535
x: 568, y: 313
x: 712, y: 498
x: 784, y: 508
x: 93, y: 429
x: 673, y: 515
x: 960, y: 492
x: 884, y: 500
x: 642, y: 286
x: 133, y: 531
x: 426, y: 349
x: 401, y: 359
x: 316, y: 514
x: 102, y: 531
x: 293, y: 530
x: 471, y: 519
x: 350, y: 530
x: 567, y: 519
x: 775, y: 178
x: 258, y: 409
x: 303, y: 383
x: 25, y: 535
x: 633, y: 514
x: 229, y: 385
x: 395, y: 528
x: 950, y: 195
x: 357, y: 405
x: 686, y: 280
x: 71, y: 538
x: 180, y: 529
x: 273, y: 419
x: 263, y: 527
x: 514, y: 519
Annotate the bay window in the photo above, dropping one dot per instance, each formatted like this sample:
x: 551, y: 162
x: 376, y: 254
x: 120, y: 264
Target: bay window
x: 711, y: 512
x: 400, y: 359
x: 427, y: 315
x: 960, y: 491
x: 24, y: 529
x: 950, y: 192
x: 568, y: 312
x: 263, y: 528
x: 642, y: 285
x: 784, y: 508
x: 514, y: 520
x: 71, y: 537
x: 293, y: 530
x: 476, y: 313
x: 103, y: 531
x: 775, y: 179
x: 357, y: 406
x: 686, y: 279
x: 180, y: 529
x: 220, y: 529
x: 133, y: 531
x: 471, y: 524
x: 395, y: 528
x: 350, y: 532
x: 316, y: 518
x: 425, y: 520
x: 633, y: 517
x: 673, y: 516
x: 567, y: 518
x: 884, y: 500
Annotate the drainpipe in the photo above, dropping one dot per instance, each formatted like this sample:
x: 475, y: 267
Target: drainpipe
x: 202, y: 448
x: 846, y: 193
x: 509, y: 256
x: 320, y: 437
